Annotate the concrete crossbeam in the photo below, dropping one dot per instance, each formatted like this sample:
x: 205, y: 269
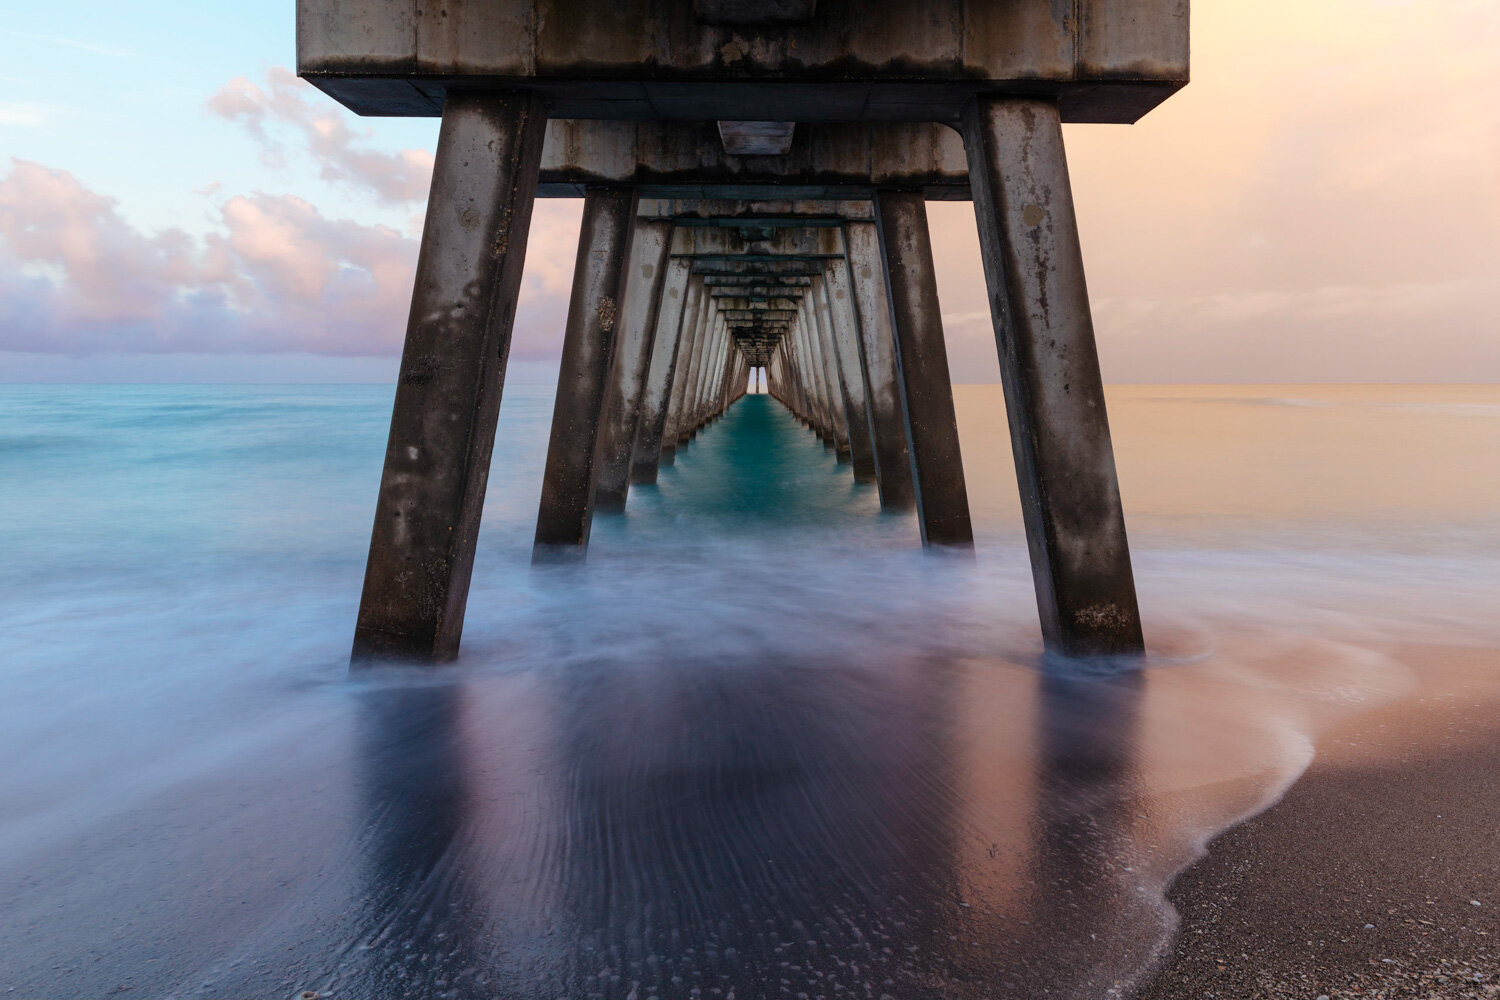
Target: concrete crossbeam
x: 854, y: 60
x: 669, y: 162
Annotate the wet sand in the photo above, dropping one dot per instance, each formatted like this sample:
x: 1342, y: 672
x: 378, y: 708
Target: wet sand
x: 1363, y: 880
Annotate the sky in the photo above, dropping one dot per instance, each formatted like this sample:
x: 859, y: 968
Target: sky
x: 1320, y: 204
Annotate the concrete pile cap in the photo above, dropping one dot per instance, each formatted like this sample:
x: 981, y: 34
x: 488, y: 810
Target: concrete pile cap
x: 773, y: 61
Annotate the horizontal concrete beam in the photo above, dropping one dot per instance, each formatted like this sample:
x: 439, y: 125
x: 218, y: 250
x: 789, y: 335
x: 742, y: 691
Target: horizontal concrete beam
x: 852, y: 60
x: 804, y: 242
x: 685, y: 161
x: 754, y: 12
x: 760, y: 267
x: 758, y: 304
x: 795, y: 211
x: 742, y: 281
x: 761, y: 315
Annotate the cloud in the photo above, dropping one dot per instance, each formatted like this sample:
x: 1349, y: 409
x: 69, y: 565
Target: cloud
x: 1321, y: 203
x: 287, y: 105
x: 20, y: 113
x: 274, y: 274
x: 76, y: 277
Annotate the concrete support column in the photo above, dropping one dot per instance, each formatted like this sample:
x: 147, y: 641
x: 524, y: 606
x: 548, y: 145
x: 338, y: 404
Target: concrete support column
x: 922, y: 361
x: 734, y: 386
x: 823, y: 331
x: 683, y: 419
x: 437, y: 458
x: 692, y: 336
x: 872, y: 310
x: 726, y: 372
x: 693, y: 407
x: 815, y: 373
x: 671, y: 316
x: 706, y: 378
x: 805, y: 368
x: 786, y: 378
x: 801, y: 386
x: 792, y: 390
x: 779, y: 378
x: 567, y: 507
x: 838, y: 316
x: 727, y: 393
x: 1054, y: 394
x: 644, y: 281
x: 804, y: 377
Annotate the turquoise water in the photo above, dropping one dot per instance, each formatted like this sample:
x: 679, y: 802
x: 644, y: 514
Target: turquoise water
x: 759, y: 740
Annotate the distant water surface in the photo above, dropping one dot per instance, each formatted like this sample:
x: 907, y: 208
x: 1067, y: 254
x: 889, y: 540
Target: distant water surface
x: 758, y: 745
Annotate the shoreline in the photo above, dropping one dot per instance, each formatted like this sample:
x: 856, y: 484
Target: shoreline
x: 1363, y: 879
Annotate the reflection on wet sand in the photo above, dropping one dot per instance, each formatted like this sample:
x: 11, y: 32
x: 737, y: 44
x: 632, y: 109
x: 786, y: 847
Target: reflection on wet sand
x: 1084, y: 900
x: 739, y: 828
x: 417, y: 907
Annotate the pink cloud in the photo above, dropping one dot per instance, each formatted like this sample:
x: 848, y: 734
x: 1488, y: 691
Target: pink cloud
x: 275, y: 274
x: 285, y: 102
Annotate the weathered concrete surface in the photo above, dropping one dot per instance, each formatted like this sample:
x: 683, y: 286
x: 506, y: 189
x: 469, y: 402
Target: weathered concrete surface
x: 853, y: 60
x: 792, y: 244
x: 677, y: 424
x: 810, y: 368
x: 1075, y: 527
x: 887, y: 410
x: 754, y: 12
x: 668, y: 362
x: 922, y: 364
x: 706, y: 372
x: 821, y: 329
x: 776, y: 208
x: 838, y: 306
x: 656, y: 400
x: 756, y: 138
x: 693, y: 403
x: 686, y: 160
x: 567, y: 505
x: 635, y: 336
x: 437, y: 459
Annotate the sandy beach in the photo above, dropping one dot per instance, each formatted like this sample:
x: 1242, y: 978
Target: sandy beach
x: 1378, y: 875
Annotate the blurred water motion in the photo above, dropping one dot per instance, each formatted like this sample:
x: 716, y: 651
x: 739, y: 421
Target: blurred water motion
x: 756, y: 746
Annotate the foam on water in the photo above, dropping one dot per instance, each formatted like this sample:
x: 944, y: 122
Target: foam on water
x: 758, y: 744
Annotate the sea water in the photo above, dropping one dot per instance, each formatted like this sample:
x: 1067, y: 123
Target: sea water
x: 759, y: 744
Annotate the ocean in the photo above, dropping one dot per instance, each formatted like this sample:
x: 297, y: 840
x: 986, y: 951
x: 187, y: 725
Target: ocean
x: 759, y: 744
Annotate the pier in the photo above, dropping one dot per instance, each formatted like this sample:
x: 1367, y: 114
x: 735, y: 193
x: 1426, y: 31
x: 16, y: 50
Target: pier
x: 754, y: 177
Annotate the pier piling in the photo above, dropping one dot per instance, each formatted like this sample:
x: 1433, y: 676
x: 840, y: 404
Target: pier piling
x: 437, y: 458
x: 567, y: 506
x: 1054, y: 393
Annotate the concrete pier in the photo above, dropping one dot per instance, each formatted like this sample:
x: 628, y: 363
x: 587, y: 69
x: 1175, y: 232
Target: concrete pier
x: 437, y: 459
x: 787, y: 150
x: 645, y: 278
x: 922, y: 367
x: 567, y: 506
x: 1054, y: 394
